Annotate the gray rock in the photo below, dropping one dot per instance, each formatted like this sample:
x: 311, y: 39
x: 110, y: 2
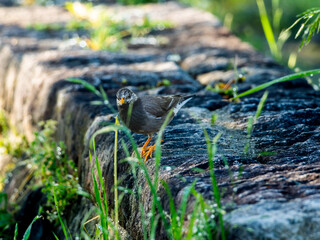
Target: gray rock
x: 269, y: 219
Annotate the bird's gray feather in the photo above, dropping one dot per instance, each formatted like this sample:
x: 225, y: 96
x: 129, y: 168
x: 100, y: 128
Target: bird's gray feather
x: 159, y: 106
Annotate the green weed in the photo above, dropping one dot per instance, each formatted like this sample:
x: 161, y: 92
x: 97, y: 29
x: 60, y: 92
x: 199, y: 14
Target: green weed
x: 11, y: 142
x: 98, y: 92
x: 11, y: 146
x: 108, y: 32
x: 212, y: 149
x: 15, y: 232
x: 6, y: 218
x: 200, y: 223
x: 27, y: 233
x: 253, y: 120
x: 103, y: 205
x: 309, y: 27
x: 105, y: 30
x: 51, y: 169
x: 64, y: 228
x: 275, y: 16
x: 268, y: 30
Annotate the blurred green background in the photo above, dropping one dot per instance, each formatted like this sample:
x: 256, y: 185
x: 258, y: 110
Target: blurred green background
x: 243, y: 18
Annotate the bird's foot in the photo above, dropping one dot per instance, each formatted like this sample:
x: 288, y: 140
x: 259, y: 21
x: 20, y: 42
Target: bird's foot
x: 145, y: 148
x: 143, y: 152
x: 148, y: 152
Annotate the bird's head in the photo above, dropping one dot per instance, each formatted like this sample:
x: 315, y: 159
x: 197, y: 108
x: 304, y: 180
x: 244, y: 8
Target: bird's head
x: 126, y: 96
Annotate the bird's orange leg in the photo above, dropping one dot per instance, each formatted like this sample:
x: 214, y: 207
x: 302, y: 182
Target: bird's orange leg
x: 149, y: 152
x: 143, y: 150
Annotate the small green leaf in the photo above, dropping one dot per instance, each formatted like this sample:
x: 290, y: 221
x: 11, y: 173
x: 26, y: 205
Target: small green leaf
x: 16, y: 232
x: 97, y: 102
x: 214, y: 118
x: 26, y: 235
x: 267, y: 153
x: 261, y: 104
x: 55, y: 236
x: 85, y: 84
x: 103, y: 94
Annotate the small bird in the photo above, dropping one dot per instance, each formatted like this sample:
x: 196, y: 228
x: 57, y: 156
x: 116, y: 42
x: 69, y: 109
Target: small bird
x: 146, y: 114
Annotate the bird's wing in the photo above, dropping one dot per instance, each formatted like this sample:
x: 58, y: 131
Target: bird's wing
x: 159, y: 106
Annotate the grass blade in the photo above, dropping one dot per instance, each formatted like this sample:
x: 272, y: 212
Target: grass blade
x: 173, y: 213
x: 85, y: 84
x: 103, y: 217
x: 106, y: 100
x: 203, y: 210
x: 105, y: 203
x: 192, y: 220
x: 252, y: 120
x: 268, y: 30
x: 155, y: 201
x: 55, y: 236
x: 143, y: 219
x: 278, y: 80
x: 212, y: 149
x: 261, y: 104
x: 16, y: 232
x: 249, y: 131
x: 26, y: 234
x: 59, y: 216
x: 183, y: 205
x: 103, y: 94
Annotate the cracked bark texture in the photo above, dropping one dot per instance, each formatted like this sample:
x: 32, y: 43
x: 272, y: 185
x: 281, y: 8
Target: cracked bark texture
x: 269, y: 196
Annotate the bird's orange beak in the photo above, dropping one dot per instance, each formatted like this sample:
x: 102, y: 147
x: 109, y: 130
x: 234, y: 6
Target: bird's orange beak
x: 122, y: 101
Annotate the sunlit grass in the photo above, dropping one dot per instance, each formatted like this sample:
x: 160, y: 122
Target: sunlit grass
x: 106, y: 30
x: 275, y: 51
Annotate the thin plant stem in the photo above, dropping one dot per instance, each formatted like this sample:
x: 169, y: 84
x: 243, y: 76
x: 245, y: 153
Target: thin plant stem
x: 59, y: 216
x: 116, y: 202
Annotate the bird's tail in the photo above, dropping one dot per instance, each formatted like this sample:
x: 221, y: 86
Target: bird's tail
x: 180, y: 105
